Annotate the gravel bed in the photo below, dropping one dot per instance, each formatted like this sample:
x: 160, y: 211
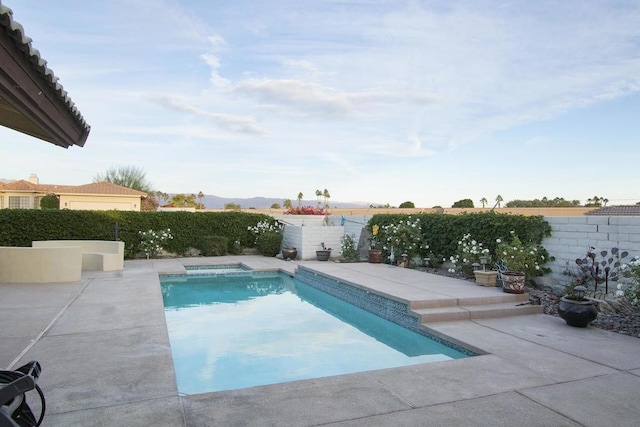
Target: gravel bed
x: 626, y: 321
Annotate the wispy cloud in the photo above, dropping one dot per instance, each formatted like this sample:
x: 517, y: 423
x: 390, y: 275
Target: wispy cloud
x: 234, y: 123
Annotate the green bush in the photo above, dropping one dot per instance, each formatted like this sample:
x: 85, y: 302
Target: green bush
x: 349, y: 247
x: 234, y: 247
x: 21, y: 226
x: 442, y: 232
x: 269, y: 243
x: 213, y: 245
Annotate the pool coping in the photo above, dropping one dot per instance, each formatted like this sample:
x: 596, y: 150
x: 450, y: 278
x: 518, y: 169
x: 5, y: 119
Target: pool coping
x: 104, y: 350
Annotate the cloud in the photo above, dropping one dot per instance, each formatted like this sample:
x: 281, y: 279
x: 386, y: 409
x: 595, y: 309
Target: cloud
x: 231, y: 122
x: 296, y: 94
x: 314, y: 97
x: 214, y: 63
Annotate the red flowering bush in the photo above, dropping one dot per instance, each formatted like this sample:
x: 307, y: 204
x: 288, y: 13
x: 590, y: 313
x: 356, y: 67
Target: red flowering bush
x: 304, y: 210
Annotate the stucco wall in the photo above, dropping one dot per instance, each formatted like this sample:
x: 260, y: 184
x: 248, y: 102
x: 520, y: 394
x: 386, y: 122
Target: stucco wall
x: 33, y: 203
x: 40, y: 265
x: 100, y: 203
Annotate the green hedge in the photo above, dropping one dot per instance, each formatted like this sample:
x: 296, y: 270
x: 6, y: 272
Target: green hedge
x: 18, y: 227
x: 269, y: 243
x: 442, y: 232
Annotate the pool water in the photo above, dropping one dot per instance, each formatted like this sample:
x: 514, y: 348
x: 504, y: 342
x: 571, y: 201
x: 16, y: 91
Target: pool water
x: 231, y: 332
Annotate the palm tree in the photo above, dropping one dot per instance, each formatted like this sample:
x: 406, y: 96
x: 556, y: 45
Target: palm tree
x: 318, y: 195
x: 163, y: 198
x: 300, y: 196
x: 499, y: 200
x: 287, y: 204
x: 326, y: 198
x: 201, y: 197
x: 484, y: 201
x: 605, y: 201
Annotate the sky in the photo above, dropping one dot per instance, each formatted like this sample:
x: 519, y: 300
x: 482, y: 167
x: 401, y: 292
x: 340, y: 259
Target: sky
x: 381, y: 101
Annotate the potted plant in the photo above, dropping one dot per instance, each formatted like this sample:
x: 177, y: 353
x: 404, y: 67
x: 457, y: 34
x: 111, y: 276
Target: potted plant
x: 324, y: 253
x: 374, y: 254
x: 575, y: 309
x: 517, y: 260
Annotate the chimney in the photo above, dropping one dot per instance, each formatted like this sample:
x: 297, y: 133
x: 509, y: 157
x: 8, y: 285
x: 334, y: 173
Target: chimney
x: 33, y: 178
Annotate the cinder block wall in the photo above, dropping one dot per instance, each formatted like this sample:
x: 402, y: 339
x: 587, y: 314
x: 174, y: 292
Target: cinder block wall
x: 572, y: 236
x: 307, y: 239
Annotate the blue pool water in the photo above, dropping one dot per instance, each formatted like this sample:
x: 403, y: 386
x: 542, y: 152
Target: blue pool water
x: 230, y: 332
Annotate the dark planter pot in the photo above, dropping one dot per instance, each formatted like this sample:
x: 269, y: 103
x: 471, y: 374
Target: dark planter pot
x: 513, y: 282
x: 289, y: 253
x: 323, y: 255
x: 578, y: 313
x: 375, y: 256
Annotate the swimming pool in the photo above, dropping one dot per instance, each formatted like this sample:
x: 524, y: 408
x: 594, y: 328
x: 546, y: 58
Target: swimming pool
x: 242, y: 330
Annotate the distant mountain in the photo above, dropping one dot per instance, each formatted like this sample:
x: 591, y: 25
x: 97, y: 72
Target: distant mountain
x: 215, y: 202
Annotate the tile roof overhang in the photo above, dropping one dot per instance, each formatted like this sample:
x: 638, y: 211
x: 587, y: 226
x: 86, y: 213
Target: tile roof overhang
x: 31, y: 99
x: 620, y: 210
x: 94, y: 189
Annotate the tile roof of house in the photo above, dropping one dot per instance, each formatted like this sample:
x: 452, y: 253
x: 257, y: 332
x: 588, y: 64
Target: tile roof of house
x: 15, y: 31
x: 99, y: 188
x: 622, y: 210
x: 22, y: 185
x: 102, y: 188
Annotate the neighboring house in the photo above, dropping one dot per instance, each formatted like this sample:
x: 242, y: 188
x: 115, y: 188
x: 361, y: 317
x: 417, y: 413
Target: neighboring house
x: 100, y: 196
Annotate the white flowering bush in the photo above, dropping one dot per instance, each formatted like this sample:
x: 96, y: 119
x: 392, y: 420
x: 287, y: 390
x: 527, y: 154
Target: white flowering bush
x: 151, y: 241
x: 403, y: 236
x: 468, y: 252
x: 629, y: 281
x: 522, y: 257
x: 263, y: 227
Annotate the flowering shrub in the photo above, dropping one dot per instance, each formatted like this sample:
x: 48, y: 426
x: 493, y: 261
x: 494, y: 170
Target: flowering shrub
x: 304, y: 210
x: 263, y: 227
x: 629, y: 283
x: 523, y: 257
x: 151, y: 241
x: 349, y: 247
x: 405, y: 235
x: 469, y: 252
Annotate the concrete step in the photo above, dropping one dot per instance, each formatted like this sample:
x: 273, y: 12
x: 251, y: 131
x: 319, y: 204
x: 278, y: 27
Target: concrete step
x: 497, y: 298
x: 476, y: 311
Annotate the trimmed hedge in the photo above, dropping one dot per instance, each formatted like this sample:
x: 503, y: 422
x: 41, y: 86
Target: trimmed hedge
x: 19, y: 227
x: 213, y: 245
x: 269, y: 243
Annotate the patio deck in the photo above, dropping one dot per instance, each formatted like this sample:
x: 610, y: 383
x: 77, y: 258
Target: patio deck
x: 104, y: 349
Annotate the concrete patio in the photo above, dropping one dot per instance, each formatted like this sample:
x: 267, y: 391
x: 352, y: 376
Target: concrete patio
x: 104, y: 349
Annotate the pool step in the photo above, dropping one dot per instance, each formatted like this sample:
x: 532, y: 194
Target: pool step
x: 497, y: 298
x: 515, y: 307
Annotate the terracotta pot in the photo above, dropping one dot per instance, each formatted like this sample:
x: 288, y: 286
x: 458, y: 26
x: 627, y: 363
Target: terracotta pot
x: 513, y: 282
x: 375, y: 256
x: 578, y: 313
